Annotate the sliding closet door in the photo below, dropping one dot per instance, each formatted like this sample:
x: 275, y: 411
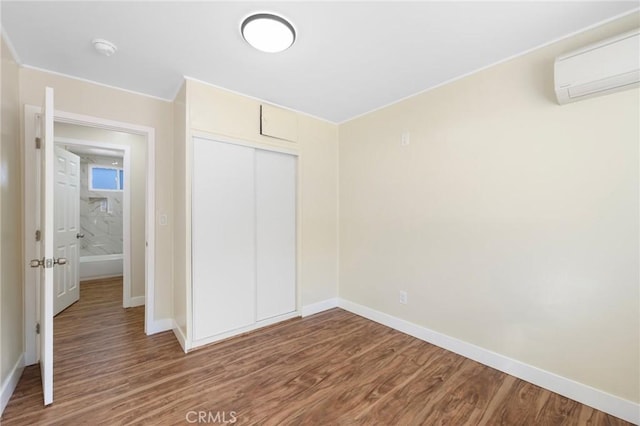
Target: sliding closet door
x: 275, y: 233
x: 223, y: 237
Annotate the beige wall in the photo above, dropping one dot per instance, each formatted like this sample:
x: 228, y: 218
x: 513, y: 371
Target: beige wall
x: 138, y: 145
x: 11, y: 305
x: 220, y: 112
x: 319, y: 177
x: 90, y: 99
x: 511, y: 221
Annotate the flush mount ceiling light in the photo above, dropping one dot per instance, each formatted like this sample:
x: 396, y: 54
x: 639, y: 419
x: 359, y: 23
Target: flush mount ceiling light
x: 104, y: 47
x: 268, y: 32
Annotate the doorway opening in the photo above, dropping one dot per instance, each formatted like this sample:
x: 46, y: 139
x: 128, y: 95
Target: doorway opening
x: 133, y: 148
x: 111, y: 208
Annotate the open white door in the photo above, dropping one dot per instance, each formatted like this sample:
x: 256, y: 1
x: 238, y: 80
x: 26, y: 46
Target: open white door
x: 66, y: 213
x: 47, y: 262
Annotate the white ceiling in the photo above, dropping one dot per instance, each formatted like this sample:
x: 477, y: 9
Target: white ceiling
x: 92, y: 150
x: 349, y: 57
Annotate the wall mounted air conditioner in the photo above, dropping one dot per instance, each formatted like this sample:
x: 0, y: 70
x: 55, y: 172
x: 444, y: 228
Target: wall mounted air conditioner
x: 606, y: 67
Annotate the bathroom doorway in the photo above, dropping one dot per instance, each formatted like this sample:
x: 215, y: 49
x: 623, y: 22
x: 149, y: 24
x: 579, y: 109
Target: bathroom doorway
x: 111, y: 207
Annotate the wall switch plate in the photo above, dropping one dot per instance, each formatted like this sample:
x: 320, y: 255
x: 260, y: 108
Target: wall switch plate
x: 403, y: 297
x: 406, y: 138
x: 163, y: 219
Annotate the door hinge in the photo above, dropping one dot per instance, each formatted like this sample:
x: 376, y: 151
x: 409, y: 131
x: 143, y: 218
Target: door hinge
x: 38, y: 143
x: 38, y: 235
x: 37, y: 328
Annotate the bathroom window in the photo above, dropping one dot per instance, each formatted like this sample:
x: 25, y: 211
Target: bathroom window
x: 104, y: 178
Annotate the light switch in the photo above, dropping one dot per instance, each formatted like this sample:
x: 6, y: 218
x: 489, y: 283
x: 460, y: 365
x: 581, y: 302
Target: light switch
x: 163, y: 219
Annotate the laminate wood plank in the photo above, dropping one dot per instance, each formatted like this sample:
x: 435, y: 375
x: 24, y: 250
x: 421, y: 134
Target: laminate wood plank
x: 176, y: 377
x: 285, y: 360
x: 516, y: 406
x: 299, y: 392
x: 330, y: 368
x: 590, y: 416
x: 467, y: 396
x: 177, y: 380
x: 408, y: 402
x: 559, y: 410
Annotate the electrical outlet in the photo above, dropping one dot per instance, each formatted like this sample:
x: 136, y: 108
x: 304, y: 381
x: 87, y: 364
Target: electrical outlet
x: 403, y: 297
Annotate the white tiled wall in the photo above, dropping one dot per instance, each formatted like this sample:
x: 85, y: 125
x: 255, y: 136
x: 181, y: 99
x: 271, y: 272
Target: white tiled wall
x: 100, y: 212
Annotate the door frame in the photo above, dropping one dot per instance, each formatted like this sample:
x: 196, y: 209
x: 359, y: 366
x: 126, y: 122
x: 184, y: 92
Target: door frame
x: 126, y: 206
x: 30, y: 246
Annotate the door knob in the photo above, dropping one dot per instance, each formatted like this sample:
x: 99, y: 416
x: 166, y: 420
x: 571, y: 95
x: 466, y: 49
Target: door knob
x: 47, y: 263
x: 79, y: 235
x: 36, y: 263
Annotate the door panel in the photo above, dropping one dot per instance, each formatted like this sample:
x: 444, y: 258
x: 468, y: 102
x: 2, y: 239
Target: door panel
x: 46, y: 246
x: 67, y: 219
x: 223, y: 237
x: 275, y: 233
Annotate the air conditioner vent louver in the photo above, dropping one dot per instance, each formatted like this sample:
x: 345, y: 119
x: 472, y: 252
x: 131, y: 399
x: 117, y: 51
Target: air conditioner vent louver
x: 600, y: 85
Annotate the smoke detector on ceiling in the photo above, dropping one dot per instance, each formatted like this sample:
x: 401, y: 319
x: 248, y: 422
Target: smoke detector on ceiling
x: 104, y: 47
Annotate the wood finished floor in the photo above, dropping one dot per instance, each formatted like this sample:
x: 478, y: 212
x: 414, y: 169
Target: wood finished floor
x: 330, y: 368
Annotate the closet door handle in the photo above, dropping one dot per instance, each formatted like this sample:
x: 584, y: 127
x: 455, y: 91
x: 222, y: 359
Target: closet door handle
x: 79, y: 235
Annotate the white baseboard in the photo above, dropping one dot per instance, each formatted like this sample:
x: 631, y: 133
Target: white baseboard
x: 582, y: 393
x: 159, y: 326
x: 238, y: 331
x: 136, y: 301
x: 318, y: 307
x: 101, y: 277
x: 307, y: 310
x: 10, y: 384
x: 182, y: 339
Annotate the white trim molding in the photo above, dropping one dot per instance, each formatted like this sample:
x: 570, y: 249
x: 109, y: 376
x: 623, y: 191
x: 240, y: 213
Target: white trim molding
x: 10, y: 384
x: 159, y: 326
x: 238, y: 331
x: 182, y: 339
x: 582, y: 393
x: 97, y: 83
x: 323, y: 305
x: 29, y: 221
x: 136, y: 301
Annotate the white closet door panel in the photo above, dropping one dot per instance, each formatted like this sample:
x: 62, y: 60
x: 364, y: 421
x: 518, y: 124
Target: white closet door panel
x: 275, y: 233
x: 223, y: 241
